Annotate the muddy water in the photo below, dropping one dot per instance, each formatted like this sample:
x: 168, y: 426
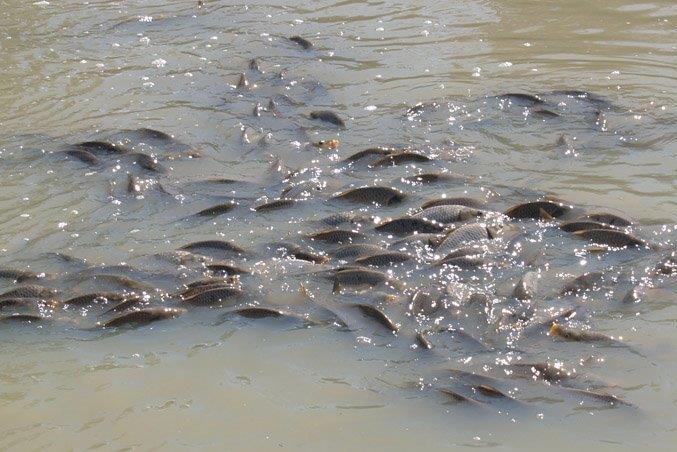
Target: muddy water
x: 72, y: 72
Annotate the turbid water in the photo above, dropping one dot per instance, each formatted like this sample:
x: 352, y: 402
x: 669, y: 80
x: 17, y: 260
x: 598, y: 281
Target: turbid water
x: 427, y: 77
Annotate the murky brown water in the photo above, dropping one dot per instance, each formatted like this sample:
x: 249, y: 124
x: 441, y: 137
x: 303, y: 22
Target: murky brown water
x: 72, y: 71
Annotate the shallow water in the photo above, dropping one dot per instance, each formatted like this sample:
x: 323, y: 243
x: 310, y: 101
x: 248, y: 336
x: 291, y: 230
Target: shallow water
x: 72, y: 72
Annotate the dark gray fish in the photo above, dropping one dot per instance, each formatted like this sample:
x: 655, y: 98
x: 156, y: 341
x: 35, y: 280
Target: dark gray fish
x: 606, y: 399
x: 429, y: 178
x: 242, y: 82
x: 21, y: 318
x: 377, y: 315
x: 17, y: 275
x: 126, y: 304
x: 442, y: 337
x: 216, y: 296
x: 99, y: 148
x: 212, y: 246
x: 491, y: 392
x: 103, y: 297
x: 361, y: 277
x: 400, y: 158
x: 463, y: 236
x: 538, y: 209
x: 84, y: 156
x: 355, y: 250
x: 328, y: 116
x: 383, y: 259
x: 276, y: 205
x: 300, y: 253
x: 153, y: 134
x: 25, y: 303
x: 525, y: 289
x: 147, y: 162
x: 610, y: 219
x: 121, y: 281
x: 369, y: 195
x: 585, y: 282
x: 539, y: 371
x: 615, y: 239
x: 521, y: 97
x: 338, y: 219
x: 567, y: 334
x: 544, y: 113
x: 371, y: 152
x: 425, y: 302
x: 224, y: 267
x: 456, y: 397
x: 468, y: 202
x: 668, y: 265
x: 303, y: 42
x: 217, y: 210
x: 143, y: 317
x: 29, y: 291
x: 448, y: 214
x: 254, y: 65
x: 337, y: 236
x: 406, y: 226
x: 575, y: 226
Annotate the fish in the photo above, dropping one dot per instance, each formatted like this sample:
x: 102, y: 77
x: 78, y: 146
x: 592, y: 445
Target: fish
x: 377, y: 315
x: 153, y: 134
x: 538, y: 210
x: 146, y: 162
x: 338, y: 219
x: 254, y: 65
x: 21, y: 318
x: 400, y: 158
x: 143, y: 317
x: 360, y: 277
x: 215, y: 296
x: 668, y: 264
x: 429, y: 178
x: 99, y: 148
x: 385, y: 196
x: 456, y: 397
x: 585, y: 282
x: 126, y: 304
x: 275, y: 205
x: 224, y: 267
x: 18, y: 276
x: 612, y: 238
x: 217, y: 210
x: 430, y: 339
x: 383, y: 259
x: 406, y: 226
x: 121, y: 281
x: 29, y: 291
x: 448, y: 214
x: 213, y: 245
x: 355, y: 250
x: 303, y: 42
x: 528, y: 98
x: 84, y: 156
x: 525, y: 289
x: 562, y: 332
x: 369, y: 153
x: 575, y: 226
x: 462, y: 201
x: 337, y: 236
x: 96, y: 297
x: 297, y: 252
x: 328, y: 116
x: 610, y: 219
x: 242, y: 82
x: 462, y: 236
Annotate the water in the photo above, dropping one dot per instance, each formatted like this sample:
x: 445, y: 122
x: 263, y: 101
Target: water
x: 72, y: 71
